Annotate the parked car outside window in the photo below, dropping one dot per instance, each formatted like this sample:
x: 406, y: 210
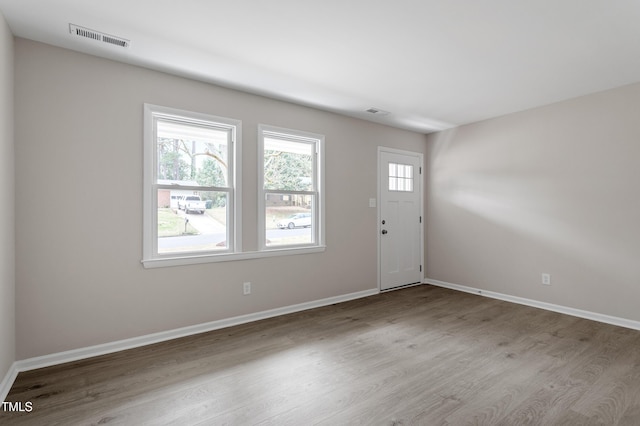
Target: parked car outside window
x: 295, y: 221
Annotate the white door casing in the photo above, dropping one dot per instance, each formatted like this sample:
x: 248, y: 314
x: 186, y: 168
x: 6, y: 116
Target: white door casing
x: 400, y: 235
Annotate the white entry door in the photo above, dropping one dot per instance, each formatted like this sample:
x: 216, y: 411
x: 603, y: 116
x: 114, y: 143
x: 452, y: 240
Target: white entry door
x: 400, y: 218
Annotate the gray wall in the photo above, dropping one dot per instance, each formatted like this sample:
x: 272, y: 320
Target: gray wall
x: 553, y: 189
x: 79, y: 205
x: 7, y: 187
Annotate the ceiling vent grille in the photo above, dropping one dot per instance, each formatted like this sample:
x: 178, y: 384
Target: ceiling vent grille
x: 98, y: 36
x: 377, y: 111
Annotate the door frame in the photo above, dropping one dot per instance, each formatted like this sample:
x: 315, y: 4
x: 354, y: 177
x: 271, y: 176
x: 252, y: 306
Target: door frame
x: 380, y: 171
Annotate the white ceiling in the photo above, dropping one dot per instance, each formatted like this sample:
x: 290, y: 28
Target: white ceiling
x: 432, y: 64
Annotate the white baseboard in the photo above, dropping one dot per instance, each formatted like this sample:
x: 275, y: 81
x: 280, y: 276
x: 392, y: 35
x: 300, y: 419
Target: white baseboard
x: 121, y: 345
x: 622, y: 322
x: 7, y: 382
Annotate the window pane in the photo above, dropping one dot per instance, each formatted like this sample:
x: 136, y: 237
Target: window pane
x: 189, y: 154
x: 408, y: 171
x: 288, y: 165
x: 191, y: 222
x: 400, y: 177
x: 289, y: 219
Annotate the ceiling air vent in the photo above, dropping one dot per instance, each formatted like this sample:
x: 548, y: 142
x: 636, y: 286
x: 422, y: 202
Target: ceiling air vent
x: 377, y: 111
x: 98, y: 36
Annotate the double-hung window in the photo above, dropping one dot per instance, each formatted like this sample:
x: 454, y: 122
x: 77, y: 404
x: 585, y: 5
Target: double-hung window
x: 290, y: 188
x: 191, y: 190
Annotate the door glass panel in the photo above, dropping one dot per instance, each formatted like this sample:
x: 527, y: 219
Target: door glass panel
x: 400, y: 177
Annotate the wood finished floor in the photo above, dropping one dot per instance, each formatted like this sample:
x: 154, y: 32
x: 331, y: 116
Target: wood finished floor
x: 422, y: 355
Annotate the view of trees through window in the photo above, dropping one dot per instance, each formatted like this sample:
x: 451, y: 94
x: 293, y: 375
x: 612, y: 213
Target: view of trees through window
x: 287, y: 170
x: 289, y: 184
x: 193, y: 188
x: 193, y: 178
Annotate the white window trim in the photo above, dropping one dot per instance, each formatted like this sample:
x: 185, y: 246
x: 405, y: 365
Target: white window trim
x: 319, y: 218
x: 228, y: 257
x: 150, y: 256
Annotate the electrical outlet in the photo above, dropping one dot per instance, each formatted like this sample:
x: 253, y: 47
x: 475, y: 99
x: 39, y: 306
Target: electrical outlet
x: 246, y: 288
x: 546, y: 279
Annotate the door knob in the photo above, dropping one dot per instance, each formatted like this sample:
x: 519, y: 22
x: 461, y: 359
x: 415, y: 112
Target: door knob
x: 384, y: 231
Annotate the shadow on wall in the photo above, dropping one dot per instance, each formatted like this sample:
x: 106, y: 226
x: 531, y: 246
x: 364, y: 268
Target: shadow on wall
x: 534, y: 202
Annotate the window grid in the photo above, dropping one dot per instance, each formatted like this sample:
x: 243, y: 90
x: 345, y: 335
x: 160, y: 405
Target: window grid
x: 400, y: 177
x: 290, y: 205
x: 190, y: 184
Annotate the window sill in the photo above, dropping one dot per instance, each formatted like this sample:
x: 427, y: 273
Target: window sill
x: 228, y: 257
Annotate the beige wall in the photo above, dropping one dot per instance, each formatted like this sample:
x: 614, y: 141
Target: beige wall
x: 553, y: 189
x: 79, y: 205
x: 7, y: 222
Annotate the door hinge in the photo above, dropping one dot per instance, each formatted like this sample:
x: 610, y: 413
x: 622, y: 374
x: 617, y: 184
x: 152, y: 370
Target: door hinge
x: 420, y: 168
x: 420, y: 268
x: 420, y: 219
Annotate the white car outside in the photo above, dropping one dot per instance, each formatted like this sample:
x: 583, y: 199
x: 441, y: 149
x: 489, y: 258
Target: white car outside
x: 298, y: 220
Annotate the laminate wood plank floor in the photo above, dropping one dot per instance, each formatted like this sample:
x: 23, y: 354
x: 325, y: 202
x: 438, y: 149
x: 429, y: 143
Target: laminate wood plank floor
x: 422, y: 355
